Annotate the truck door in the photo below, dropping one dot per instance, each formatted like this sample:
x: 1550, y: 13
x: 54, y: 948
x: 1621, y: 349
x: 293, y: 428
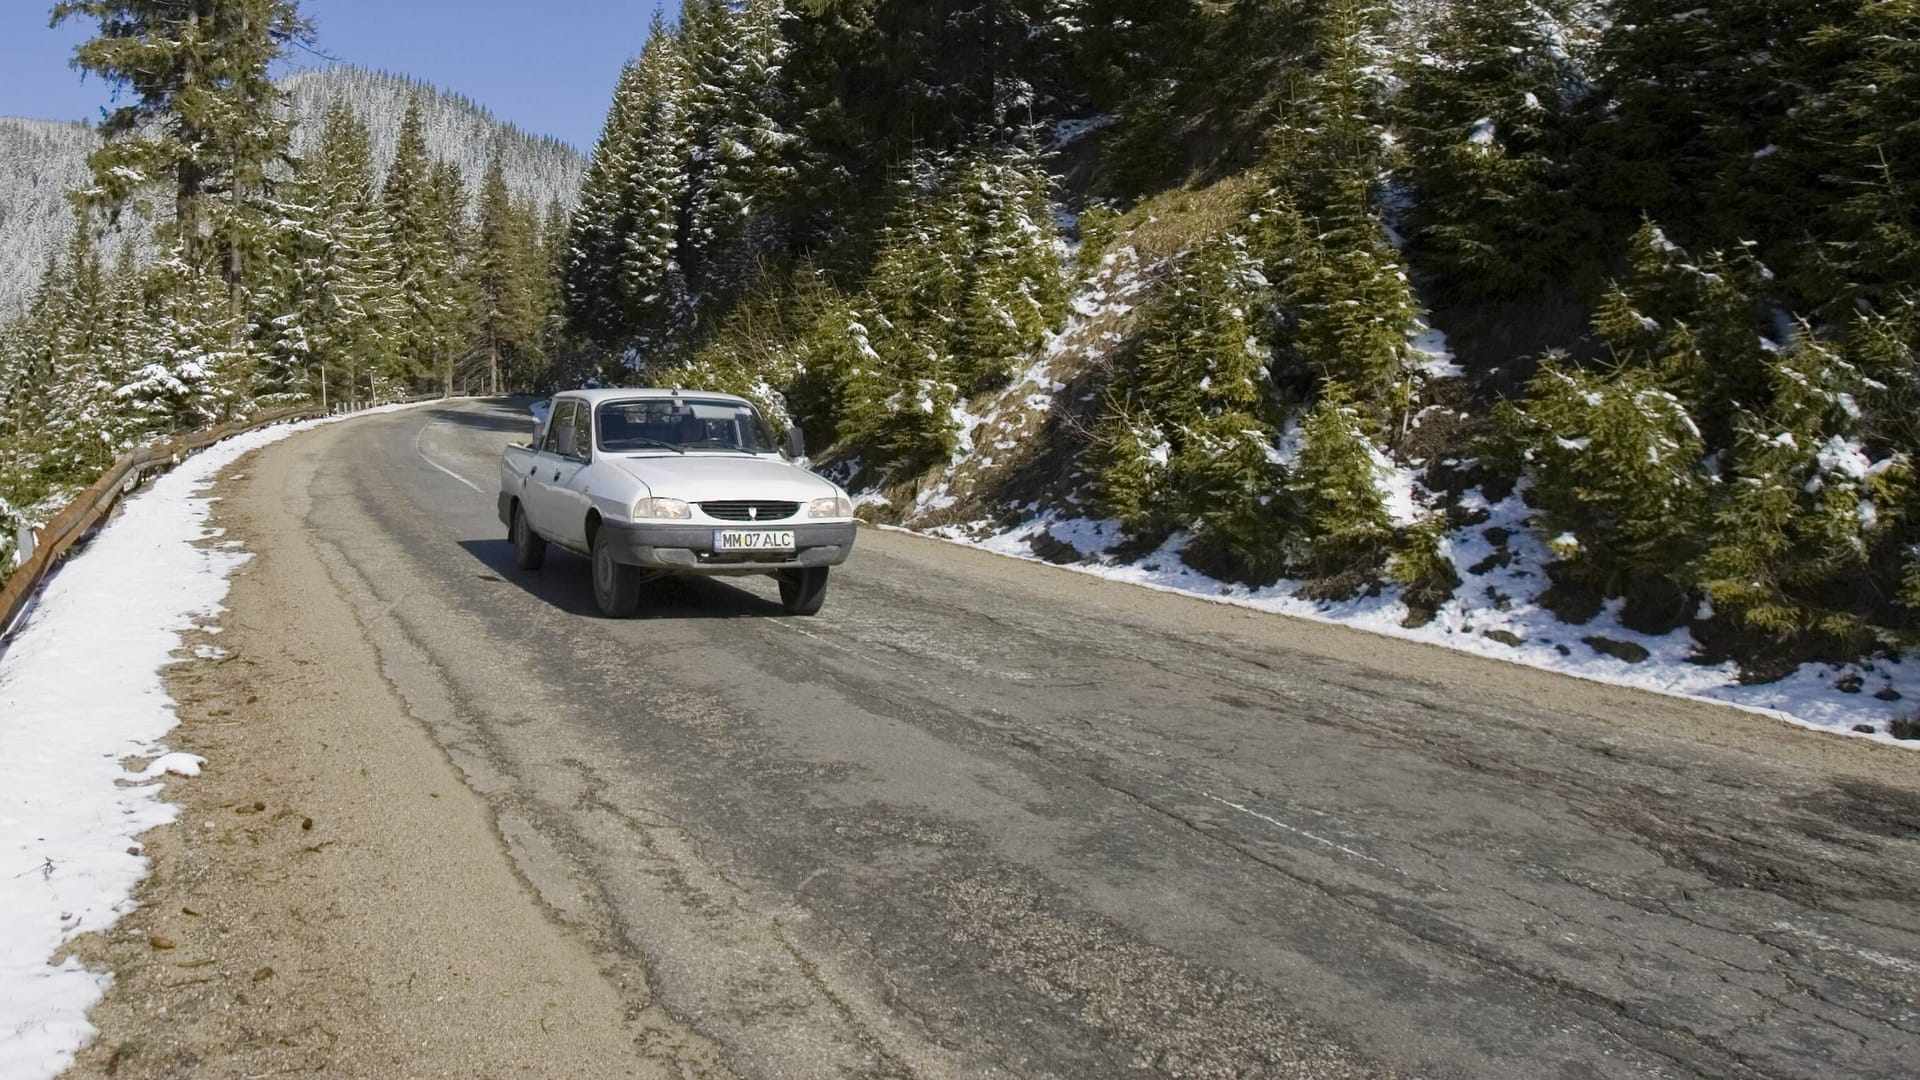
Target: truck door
x: 573, y: 453
x: 559, y: 510
x: 543, y: 472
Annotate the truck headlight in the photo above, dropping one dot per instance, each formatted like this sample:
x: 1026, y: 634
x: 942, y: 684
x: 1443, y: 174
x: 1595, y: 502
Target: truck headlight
x: 838, y: 506
x: 662, y: 509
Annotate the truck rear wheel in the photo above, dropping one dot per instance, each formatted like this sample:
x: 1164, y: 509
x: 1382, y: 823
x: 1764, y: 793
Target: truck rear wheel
x: 803, y: 592
x: 529, y: 551
x: 616, y: 586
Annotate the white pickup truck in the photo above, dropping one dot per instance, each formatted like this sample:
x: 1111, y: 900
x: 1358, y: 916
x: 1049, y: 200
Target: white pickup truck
x: 659, y: 483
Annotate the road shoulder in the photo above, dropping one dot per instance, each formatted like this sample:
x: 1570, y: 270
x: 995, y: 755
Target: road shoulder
x: 333, y: 898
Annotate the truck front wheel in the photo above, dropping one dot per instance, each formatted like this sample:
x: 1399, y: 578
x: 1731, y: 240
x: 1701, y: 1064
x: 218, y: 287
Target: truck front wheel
x: 616, y: 586
x: 529, y: 551
x: 803, y: 592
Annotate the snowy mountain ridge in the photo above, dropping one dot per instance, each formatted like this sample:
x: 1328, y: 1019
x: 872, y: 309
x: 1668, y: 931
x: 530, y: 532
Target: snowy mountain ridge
x: 40, y: 161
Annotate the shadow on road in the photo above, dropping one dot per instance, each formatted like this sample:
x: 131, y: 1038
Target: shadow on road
x: 567, y: 584
x: 507, y: 416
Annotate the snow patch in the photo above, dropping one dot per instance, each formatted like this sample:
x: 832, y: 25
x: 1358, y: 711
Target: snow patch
x: 1496, y: 613
x: 81, y: 692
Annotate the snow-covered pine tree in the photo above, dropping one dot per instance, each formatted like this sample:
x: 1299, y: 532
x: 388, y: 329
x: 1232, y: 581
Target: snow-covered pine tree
x: 651, y: 283
x: 1696, y: 323
x: 197, y: 368
x: 900, y: 383
x: 1345, y: 106
x: 1616, y: 468
x: 340, y: 305
x: 1017, y: 292
x: 1349, y: 307
x: 84, y: 427
x: 736, y: 173
x: 202, y: 120
x: 34, y: 344
x: 1183, y: 415
x: 1338, y: 482
x: 601, y: 219
x: 1808, y: 502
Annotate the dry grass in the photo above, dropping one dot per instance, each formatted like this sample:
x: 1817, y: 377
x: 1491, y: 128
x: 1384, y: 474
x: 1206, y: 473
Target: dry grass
x: 1175, y: 221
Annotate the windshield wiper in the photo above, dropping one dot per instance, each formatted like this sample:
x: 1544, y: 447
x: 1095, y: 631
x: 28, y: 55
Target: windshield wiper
x: 675, y: 447
x: 713, y: 445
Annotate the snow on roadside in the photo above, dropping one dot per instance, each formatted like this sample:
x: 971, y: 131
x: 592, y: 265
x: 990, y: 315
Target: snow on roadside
x: 81, y: 698
x: 1496, y: 613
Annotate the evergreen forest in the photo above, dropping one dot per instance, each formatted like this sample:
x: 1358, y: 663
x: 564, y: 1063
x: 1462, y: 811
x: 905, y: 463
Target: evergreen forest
x: 1310, y: 283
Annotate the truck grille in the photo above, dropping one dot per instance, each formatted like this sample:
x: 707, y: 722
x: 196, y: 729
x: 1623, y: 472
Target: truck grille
x: 751, y: 510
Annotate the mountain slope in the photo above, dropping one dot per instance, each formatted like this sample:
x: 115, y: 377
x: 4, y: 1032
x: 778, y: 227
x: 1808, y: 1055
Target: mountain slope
x: 41, y: 160
x: 457, y: 129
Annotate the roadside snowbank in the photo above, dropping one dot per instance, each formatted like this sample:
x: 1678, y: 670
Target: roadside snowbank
x: 1496, y: 613
x: 82, y: 715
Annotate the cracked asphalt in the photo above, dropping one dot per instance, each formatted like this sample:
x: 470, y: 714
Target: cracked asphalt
x: 991, y: 818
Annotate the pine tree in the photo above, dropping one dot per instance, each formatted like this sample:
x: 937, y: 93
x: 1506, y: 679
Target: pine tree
x: 594, y: 300
x: 342, y: 310
x: 1344, y: 522
x: 1489, y: 142
x: 651, y: 285
x: 1854, y: 150
x: 1616, y: 469
x: 1685, y: 105
x: 447, y: 301
x: 1186, y: 432
x: 202, y: 120
x: 1349, y: 305
x: 1808, y: 503
x: 421, y: 262
x: 965, y: 71
x: 1694, y: 323
x: 735, y: 170
x: 1017, y: 292
x: 82, y: 421
x: 505, y: 317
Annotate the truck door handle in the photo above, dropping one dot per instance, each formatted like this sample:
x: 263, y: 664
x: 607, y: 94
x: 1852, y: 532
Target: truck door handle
x: 556, y: 476
x: 533, y: 470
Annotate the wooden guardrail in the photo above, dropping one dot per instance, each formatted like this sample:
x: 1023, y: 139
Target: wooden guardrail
x: 58, y: 536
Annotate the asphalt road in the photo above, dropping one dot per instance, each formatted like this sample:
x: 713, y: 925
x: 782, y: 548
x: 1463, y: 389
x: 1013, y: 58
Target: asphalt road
x: 985, y: 817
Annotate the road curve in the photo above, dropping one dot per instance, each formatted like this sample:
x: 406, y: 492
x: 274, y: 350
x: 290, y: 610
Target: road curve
x: 991, y: 818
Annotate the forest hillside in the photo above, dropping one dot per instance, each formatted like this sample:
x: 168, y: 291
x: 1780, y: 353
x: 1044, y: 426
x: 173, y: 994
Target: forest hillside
x: 41, y: 162
x: 1576, y: 329
x: 1602, y: 309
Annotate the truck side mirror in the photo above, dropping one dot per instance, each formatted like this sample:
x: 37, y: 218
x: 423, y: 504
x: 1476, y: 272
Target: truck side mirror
x: 796, y: 442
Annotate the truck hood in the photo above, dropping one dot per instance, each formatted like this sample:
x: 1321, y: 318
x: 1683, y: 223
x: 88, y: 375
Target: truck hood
x: 701, y: 478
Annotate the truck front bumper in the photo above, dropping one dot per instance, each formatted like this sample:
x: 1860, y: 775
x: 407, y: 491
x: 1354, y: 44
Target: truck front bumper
x: 688, y: 549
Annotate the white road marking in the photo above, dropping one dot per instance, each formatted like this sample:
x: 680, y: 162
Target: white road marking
x: 1299, y: 832
x: 422, y: 451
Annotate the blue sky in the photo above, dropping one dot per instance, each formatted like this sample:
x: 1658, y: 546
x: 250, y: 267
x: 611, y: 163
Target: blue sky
x: 548, y: 66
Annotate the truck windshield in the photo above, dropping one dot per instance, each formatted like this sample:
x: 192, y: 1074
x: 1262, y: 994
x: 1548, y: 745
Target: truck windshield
x: 682, y: 424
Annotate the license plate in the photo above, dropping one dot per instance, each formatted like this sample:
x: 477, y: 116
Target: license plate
x: 752, y: 540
